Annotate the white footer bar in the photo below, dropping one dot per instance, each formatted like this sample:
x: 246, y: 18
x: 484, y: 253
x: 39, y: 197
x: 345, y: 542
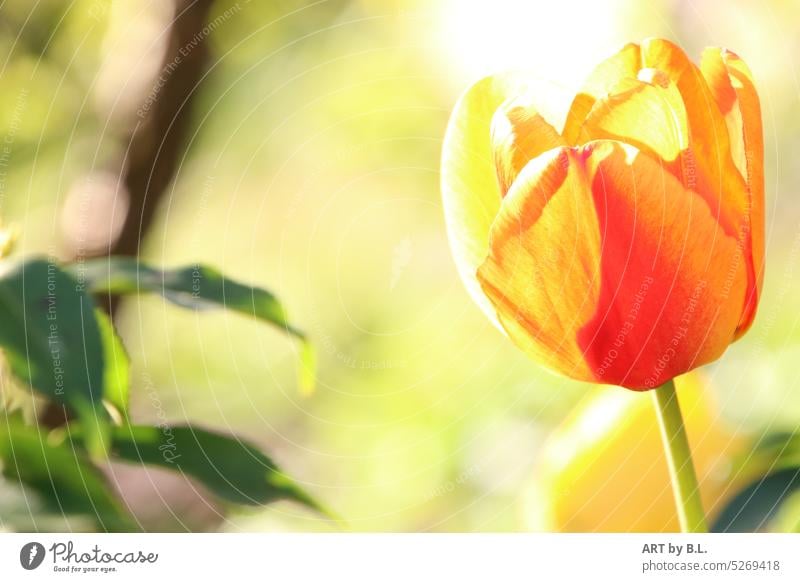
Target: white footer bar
x: 401, y: 557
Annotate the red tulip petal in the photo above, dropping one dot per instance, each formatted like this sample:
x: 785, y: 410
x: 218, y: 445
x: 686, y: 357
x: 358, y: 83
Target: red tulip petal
x: 673, y: 282
x: 604, y: 267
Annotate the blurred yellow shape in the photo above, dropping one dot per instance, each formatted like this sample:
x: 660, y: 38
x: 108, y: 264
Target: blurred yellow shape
x: 604, y: 469
x: 8, y: 238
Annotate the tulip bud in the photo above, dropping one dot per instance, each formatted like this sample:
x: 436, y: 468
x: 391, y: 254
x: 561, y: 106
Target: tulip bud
x: 626, y: 248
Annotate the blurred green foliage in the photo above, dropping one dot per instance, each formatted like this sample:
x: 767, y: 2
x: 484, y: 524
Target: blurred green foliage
x: 56, y: 343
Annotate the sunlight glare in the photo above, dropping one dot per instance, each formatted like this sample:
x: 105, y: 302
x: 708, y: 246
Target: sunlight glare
x: 559, y: 41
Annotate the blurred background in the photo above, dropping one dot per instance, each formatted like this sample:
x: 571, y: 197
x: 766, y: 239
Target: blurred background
x: 295, y: 145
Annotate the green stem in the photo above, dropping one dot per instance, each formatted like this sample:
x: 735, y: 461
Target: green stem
x: 679, y: 459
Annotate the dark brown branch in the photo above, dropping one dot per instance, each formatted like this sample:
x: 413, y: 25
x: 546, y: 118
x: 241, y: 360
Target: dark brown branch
x: 157, y: 143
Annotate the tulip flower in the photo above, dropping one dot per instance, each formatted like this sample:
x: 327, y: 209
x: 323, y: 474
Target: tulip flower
x: 611, y: 438
x: 628, y: 247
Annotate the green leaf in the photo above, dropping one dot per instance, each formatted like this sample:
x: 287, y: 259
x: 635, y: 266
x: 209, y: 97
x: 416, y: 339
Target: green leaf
x: 232, y: 469
x: 52, y: 341
x: 62, y: 476
x: 759, y: 503
x: 772, y: 468
x: 117, y: 365
x: 195, y: 287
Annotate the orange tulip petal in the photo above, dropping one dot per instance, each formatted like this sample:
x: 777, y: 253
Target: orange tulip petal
x: 519, y: 134
x: 541, y: 272
x: 625, y: 64
x: 710, y: 146
x: 717, y: 178
x: 646, y: 112
x: 673, y: 282
x: 732, y: 86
